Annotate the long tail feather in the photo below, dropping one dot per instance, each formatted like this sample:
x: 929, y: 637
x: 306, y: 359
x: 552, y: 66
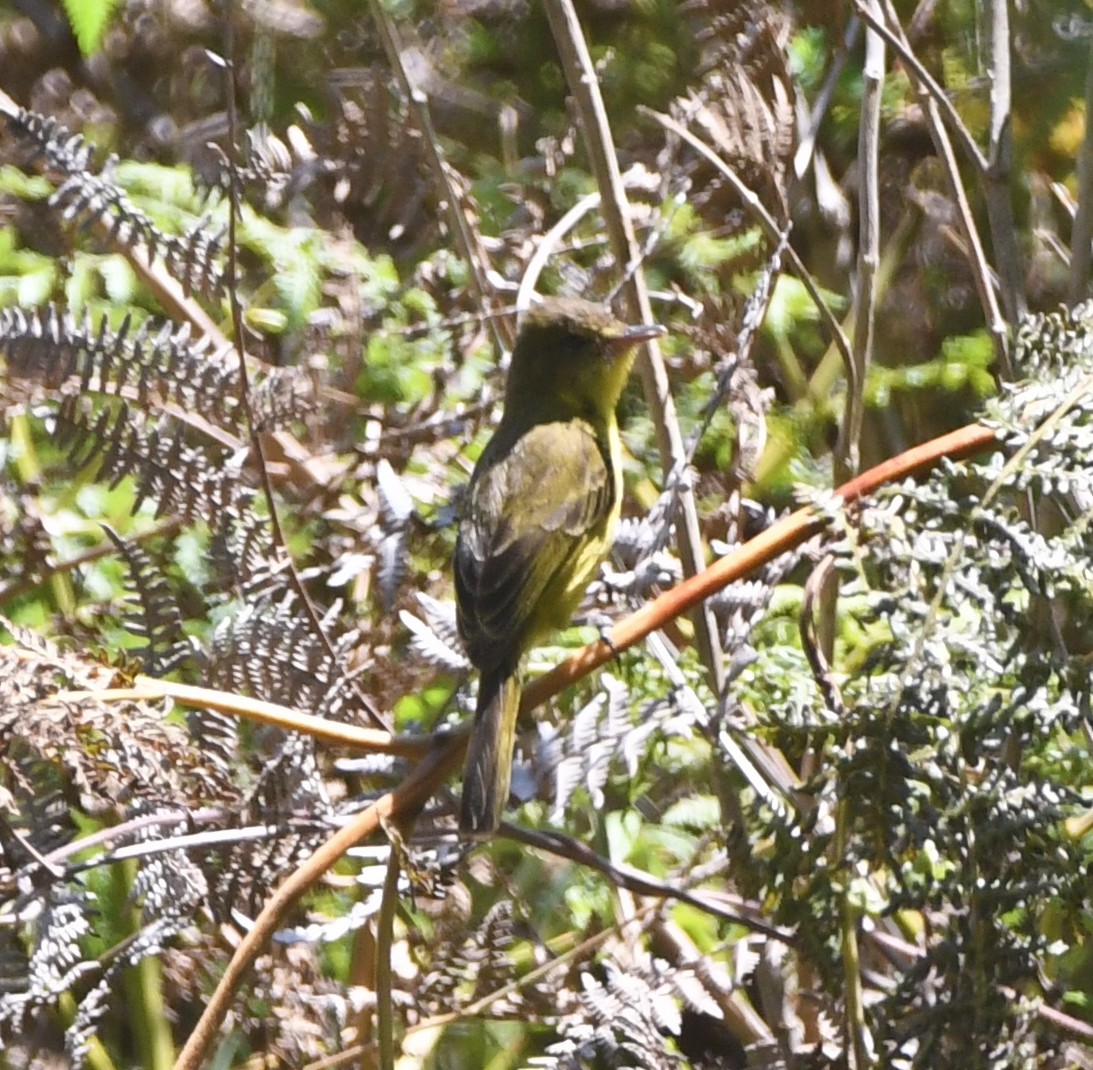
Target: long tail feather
x: 489, y: 755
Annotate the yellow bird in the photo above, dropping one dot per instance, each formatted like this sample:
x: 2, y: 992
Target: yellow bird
x: 542, y: 507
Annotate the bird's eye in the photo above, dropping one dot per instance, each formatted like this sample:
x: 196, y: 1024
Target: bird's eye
x: 567, y: 344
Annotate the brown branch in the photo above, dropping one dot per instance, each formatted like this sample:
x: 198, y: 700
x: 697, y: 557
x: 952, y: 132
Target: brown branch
x: 787, y: 533
x: 16, y: 588
x: 446, y: 756
x: 639, y: 882
x: 410, y: 795
x: 372, y: 740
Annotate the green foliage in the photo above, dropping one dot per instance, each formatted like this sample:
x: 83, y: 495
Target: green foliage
x: 896, y: 813
x: 26, y: 277
x: 89, y: 19
x: 963, y: 364
x: 398, y: 369
x: 808, y: 56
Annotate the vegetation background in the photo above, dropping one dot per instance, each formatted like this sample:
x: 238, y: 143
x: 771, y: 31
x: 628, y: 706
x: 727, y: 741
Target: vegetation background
x: 839, y: 816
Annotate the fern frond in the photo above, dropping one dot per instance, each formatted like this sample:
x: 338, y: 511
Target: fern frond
x: 267, y: 649
x: 183, y: 481
x: 158, y: 619
x: 86, y: 198
x: 154, y: 366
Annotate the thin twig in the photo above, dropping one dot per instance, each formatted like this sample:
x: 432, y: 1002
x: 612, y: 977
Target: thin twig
x: 848, y: 448
x: 257, y: 443
x: 758, y: 211
x: 634, y: 880
x: 803, y: 156
x: 154, y: 274
x: 930, y: 100
x: 549, y: 241
x: 1007, y: 254
x: 476, y: 1009
x: 763, y: 766
x: 18, y: 587
x: 993, y: 170
x: 460, y: 226
x: 581, y: 76
x: 893, y: 946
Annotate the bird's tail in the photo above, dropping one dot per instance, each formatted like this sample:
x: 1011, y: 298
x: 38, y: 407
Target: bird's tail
x: 489, y: 755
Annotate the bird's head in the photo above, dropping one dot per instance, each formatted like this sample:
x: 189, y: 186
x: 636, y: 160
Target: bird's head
x: 577, y: 348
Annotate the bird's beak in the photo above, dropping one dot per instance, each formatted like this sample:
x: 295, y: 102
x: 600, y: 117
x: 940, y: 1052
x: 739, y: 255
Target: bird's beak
x: 639, y: 332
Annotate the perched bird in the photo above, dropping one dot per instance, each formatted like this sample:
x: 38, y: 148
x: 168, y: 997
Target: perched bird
x: 542, y: 507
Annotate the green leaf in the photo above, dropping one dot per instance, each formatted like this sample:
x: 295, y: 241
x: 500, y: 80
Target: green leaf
x: 89, y: 19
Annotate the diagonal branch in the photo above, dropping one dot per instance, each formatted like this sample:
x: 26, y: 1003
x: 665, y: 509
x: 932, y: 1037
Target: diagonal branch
x: 933, y: 101
x: 457, y: 220
x: 758, y: 211
x: 922, y: 77
x: 443, y: 760
x: 405, y: 799
x: 790, y: 531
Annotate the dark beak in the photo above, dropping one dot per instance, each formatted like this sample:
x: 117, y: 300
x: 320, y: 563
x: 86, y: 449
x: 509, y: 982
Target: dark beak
x: 639, y: 332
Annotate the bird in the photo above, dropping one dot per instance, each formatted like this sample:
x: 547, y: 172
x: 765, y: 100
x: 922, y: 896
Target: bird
x: 539, y: 517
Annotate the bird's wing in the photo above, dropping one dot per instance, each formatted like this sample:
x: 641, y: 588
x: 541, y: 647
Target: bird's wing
x: 530, y: 512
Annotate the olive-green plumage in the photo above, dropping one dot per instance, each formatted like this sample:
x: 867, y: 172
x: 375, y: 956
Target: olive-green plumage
x: 542, y: 508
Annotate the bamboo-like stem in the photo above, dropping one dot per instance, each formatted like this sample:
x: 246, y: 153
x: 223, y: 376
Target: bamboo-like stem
x: 385, y: 932
x: 581, y: 77
x: 1003, y: 229
x: 848, y: 447
x: 895, y: 38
